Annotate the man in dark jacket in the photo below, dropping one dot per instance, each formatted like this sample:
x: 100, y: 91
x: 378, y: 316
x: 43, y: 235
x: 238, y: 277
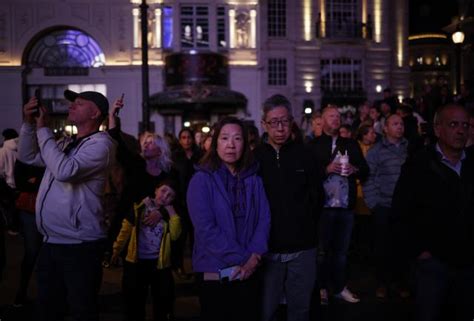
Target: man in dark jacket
x: 293, y: 186
x: 337, y: 217
x: 434, y: 199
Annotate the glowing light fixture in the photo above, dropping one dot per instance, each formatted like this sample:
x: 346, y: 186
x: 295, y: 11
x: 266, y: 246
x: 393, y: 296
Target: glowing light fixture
x: 307, y: 13
x: 322, y: 8
x: 253, y: 28
x: 187, y: 124
x: 427, y: 36
x: 458, y: 37
x: 205, y: 129
x: 378, y: 88
x: 70, y: 129
x: 378, y: 20
x: 232, y: 28
x: 136, y: 27
x: 157, y: 28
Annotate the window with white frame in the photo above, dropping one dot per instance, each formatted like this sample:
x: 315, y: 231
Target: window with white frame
x: 221, y: 28
x: 342, y: 74
x: 277, y: 72
x: 194, y: 26
x: 341, y: 19
x: 276, y: 22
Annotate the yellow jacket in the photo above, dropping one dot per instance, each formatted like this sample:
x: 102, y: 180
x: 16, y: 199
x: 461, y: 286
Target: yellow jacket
x: 171, y: 231
x: 360, y: 206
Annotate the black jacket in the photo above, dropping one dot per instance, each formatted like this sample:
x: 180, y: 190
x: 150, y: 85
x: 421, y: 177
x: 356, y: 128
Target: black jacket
x: 322, y: 148
x: 434, y: 208
x: 294, y: 190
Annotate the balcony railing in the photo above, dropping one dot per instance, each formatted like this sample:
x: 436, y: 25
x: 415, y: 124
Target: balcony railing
x: 339, y: 28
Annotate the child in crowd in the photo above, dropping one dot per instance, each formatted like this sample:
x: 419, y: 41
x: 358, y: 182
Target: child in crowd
x: 148, y: 260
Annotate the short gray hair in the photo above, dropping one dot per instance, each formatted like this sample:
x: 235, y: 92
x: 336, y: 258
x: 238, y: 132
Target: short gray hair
x: 440, y: 111
x: 276, y: 101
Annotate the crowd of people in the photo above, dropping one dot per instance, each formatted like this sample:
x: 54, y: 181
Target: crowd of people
x: 270, y: 218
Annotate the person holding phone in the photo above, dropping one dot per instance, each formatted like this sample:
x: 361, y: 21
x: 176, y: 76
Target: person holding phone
x: 69, y: 205
x: 231, y: 217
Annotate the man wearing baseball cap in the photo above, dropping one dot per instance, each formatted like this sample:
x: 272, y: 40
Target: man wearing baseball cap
x: 69, y: 211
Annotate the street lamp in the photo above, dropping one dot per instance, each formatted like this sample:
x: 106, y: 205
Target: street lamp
x: 458, y: 39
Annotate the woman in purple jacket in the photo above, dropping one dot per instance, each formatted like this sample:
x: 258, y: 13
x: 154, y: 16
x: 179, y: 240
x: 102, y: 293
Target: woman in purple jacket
x: 231, y: 217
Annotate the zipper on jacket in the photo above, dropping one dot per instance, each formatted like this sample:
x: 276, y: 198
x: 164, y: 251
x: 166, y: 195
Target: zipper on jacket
x: 278, y: 158
x: 41, y: 210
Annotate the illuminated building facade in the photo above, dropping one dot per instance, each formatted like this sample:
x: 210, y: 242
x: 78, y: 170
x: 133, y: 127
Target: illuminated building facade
x: 317, y: 51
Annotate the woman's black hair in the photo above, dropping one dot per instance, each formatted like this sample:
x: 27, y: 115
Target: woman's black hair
x: 212, y: 160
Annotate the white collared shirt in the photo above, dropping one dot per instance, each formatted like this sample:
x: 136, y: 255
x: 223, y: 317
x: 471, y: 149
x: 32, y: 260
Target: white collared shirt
x: 455, y: 167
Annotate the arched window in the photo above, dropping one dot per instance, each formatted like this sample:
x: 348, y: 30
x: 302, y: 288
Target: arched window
x: 66, y: 48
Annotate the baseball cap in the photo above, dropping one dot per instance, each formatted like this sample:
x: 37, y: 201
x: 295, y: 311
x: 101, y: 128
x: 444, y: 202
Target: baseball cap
x: 97, y: 98
x: 9, y: 133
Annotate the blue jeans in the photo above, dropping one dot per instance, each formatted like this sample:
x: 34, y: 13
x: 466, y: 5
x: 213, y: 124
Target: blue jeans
x: 72, y: 274
x: 295, y: 278
x: 335, y: 229
x: 439, y: 286
x: 32, y: 242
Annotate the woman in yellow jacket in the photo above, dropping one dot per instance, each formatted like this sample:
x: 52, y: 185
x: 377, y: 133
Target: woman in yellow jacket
x: 366, y: 137
x: 148, y: 260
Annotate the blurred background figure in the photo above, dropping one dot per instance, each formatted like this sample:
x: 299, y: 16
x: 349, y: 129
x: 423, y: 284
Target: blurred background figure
x: 345, y: 131
x: 206, y: 143
x: 28, y: 179
x: 186, y: 156
x: 198, y: 136
x: 8, y: 156
x: 254, y: 137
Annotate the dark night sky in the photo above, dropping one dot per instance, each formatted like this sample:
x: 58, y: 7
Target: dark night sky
x: 432, y: 16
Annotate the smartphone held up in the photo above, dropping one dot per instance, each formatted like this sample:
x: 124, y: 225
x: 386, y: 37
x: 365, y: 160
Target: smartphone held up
x: 121, y: 100
x: 38, y: 98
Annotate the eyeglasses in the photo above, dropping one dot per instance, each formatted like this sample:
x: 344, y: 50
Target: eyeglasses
x: 274, y: 123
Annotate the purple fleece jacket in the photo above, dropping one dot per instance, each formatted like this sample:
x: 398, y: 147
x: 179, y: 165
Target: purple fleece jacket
x: 216, y: 242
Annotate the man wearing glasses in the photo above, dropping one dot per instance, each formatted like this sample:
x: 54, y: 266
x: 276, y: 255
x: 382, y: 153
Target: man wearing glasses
x: 434, y: 200
x: 294, y: 190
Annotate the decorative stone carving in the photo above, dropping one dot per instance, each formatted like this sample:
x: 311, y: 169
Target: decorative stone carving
x: 100, y: 19
x: 23, y: 19
x: 120, y: 20
x: 80, y: 11
x: 44, y: 12
x: 242, y: 28
x: 3, y: 31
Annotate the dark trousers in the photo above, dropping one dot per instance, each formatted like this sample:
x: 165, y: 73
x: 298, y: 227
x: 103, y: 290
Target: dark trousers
x: 32, y: 242
x: 231, y: 301
x: 335, y: 230
x: 296, y: 280
x: 138, y: 278
x: 383, y: 245
x: 69, y: 274
x: 181, y: 245
x: 444, y: 292
x: 3, y: 255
